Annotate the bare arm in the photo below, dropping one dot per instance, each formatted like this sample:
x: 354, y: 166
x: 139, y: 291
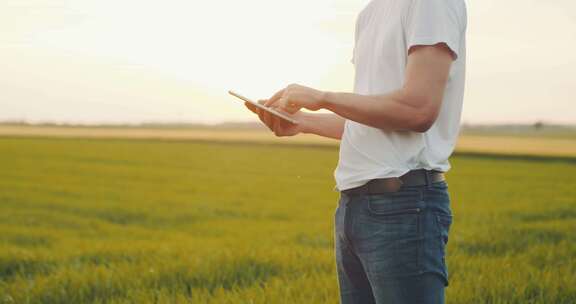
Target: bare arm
x: 326, y: 125
x: 414, y: 107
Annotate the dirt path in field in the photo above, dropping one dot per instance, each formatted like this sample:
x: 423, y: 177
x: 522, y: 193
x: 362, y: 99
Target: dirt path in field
x: 508, y: 145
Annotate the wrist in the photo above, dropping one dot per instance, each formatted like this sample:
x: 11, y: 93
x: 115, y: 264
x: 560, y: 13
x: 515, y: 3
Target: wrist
x: 325, y: 100
x: 304, y: 123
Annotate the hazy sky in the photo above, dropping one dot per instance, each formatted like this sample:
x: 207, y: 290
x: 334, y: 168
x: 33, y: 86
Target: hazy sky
x: 174, y: 60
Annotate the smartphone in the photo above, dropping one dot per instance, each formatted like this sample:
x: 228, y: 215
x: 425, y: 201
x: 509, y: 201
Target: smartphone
x: 274, y: 112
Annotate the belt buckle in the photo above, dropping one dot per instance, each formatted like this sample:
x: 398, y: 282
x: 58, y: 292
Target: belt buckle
x: 387, y: 185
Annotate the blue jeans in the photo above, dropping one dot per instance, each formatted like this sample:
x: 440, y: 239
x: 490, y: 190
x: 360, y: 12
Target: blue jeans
x: 390, y: 247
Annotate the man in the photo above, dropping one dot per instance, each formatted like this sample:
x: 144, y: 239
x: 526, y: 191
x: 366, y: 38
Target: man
x: 397, y: 131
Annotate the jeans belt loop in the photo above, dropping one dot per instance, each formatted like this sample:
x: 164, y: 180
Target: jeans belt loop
x: 428, y: 179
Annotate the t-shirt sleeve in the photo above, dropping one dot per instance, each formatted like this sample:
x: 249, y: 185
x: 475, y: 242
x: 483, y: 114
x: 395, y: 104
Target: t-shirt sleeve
x: 430, y: 22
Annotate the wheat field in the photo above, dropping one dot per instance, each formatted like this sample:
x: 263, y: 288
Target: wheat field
x: 156, y: 221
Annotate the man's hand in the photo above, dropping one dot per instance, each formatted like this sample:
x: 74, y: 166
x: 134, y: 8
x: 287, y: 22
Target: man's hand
x: 295, y: 97
x: 326, y: 125
x: 279, y: 126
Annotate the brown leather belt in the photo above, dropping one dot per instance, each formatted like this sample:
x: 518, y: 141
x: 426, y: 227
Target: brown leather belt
x: 418, y: 177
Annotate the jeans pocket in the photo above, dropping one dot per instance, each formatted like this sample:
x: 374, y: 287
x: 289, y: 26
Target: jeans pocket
x: 392, y: 215
x: 395, y: 203
x: 444, y: 221
x: 388, y: 234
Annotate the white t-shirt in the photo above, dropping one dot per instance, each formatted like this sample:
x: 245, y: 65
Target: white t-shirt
x: 385, y: 31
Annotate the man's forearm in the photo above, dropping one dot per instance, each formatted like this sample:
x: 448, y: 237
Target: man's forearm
x: 326, y: 125
x: 388, y: 112
x: 413, y: 107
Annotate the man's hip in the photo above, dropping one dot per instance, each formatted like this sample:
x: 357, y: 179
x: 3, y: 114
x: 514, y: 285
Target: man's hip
x: 387, y: 238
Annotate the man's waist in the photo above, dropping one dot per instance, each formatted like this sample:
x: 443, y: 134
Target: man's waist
x: 419, y: 177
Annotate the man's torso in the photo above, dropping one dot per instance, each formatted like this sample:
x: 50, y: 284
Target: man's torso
x: 380, y: 57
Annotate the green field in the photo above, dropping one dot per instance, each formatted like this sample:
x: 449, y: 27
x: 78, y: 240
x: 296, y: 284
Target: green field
x: 150, y: 221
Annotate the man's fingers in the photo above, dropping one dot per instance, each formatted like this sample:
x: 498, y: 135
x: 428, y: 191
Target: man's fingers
x: 274, y: 124
x: 276, y: 127
x: 261, y: 116
x: 251, y: 107
x: 279, y: 104
x: 287, y: 106
x: 274, y: 98
x: 267, y: 119
x: 279, y: 131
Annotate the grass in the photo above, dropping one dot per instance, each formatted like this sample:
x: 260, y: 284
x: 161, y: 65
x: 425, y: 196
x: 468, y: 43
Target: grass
x: 144, y: 221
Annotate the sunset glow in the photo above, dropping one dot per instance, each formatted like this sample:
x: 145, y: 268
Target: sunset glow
x: 133, y: 61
